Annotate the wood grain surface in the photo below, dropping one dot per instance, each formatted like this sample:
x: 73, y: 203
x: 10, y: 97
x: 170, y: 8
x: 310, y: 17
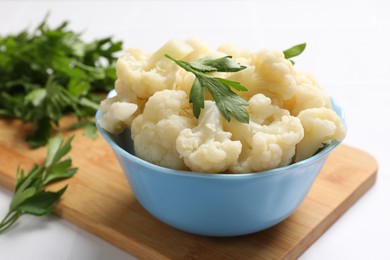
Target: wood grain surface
x: 99, y: 200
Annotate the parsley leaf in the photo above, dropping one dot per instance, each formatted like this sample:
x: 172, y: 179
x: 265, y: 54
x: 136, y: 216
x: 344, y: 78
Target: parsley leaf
x: 197, y: 97
x: 209, y: 64
x: 294, y: 51
x: 228, y: 102
x: 50, y: 72
x: 30, y: 196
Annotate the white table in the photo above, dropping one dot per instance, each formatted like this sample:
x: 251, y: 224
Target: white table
x: 348, y: 52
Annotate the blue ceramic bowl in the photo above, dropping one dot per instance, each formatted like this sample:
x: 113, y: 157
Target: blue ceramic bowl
x: 217, y: 204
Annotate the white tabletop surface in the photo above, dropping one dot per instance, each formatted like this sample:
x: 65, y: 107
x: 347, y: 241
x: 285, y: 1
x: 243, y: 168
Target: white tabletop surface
x: 348, y: 52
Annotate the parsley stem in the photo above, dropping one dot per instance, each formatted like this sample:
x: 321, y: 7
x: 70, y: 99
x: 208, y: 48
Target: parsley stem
x: 9, y: 220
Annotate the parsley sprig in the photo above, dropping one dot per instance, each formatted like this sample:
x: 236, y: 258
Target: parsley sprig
x: 30, y: 196
x: 51, y: 72
x: 227, y: 101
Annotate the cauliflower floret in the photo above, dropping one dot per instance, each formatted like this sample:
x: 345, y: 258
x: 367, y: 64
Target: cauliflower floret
x: 307, y: 94
x: 199, y: 49
x: 118, y: 111
x: 269, y: 73
x: 155, y: 131
x: 268, y: 141
x: 321, y: 125
x: 146, y: 74
x: 116, y: 115
x: 262, y: 111
x: 184, y: 81
x: 242, y: 56
x: 124, y: 93
x: 207, y: 148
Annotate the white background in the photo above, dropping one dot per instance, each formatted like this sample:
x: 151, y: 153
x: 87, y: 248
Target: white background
x: 348, y: 52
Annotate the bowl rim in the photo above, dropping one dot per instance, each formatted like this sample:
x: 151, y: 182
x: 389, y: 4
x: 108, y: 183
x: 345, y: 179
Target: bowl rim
x: 276, y: 171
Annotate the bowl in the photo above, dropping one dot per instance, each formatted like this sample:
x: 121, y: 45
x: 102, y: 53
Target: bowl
x: 217, y: 204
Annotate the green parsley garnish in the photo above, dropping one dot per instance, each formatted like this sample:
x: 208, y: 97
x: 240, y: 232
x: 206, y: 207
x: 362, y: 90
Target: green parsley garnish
x: 294, y: 51
x: 227, y: 101
x: 51, y: 72
x: 30, y: 196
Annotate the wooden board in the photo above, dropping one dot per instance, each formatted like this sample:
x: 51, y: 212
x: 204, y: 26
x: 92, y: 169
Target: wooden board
x: 100, y: 200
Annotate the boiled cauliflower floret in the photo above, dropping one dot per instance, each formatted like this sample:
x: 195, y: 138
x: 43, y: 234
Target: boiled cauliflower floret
x: 321, y: 126
x: 262, y: 111
x: 207, y: 148
x: 116, y: 115
x: 155, y: 131
x: 307, y: 94
x: 242, y: 56
x: 118, y: 111
x: 147, y: 74
x: 184, y: 81
x: 269, y: 73
x: 199, y: 49
x: 270, y: 138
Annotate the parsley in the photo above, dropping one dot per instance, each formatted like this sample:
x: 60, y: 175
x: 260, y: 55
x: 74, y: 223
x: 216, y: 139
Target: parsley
x: 294, y: 51
x: 227, y: 101
x: 51, y: 72
x: 30, y: 197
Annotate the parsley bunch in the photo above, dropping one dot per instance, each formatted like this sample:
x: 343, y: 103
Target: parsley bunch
x: 51, y: 72
x: 30, y: 197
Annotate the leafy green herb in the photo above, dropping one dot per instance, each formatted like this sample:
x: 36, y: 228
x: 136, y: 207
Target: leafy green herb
x: 30, y: 196
x: 294, y: 51
x: 227, y: 101
x: 51, y: 72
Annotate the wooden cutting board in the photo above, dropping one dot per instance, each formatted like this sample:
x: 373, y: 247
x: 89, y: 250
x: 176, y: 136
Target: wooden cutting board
x: 99, y: 199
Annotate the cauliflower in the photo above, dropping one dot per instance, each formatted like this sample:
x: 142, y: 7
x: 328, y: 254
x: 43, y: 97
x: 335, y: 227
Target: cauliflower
x: 146, y: 74
x: 276, y: 73
x: 268, y: 140
x: 116, y: 115
x: 199, y: 50
x: 155, y: 131
x: 307, y: 94
x: 290, y: 115
x: 321, y: 125
x: 269, y: 73
x: 242, y: 56
x: 118, y: 111
x: 207, y: 148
